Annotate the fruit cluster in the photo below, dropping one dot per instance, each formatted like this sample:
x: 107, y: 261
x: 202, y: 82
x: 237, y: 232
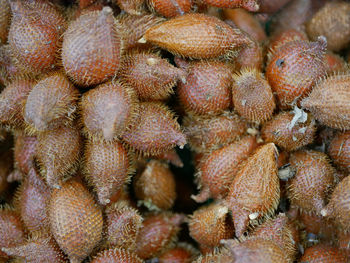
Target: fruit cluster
x: 174, y: 131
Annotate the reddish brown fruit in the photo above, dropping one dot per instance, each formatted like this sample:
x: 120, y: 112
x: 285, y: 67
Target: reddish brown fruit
x: 314, y: 176
x: 51, y: 103
x: 85, y: 3
x: 334, y: 63
x: 170, y: 156
x: 271, y: 6
x: 135, y: 27
x: 317, y: 225
x: 294, y: 68
x: 279, y: 230
x: 133, y: 7
x: 246, y: 22
x: 155, y: 130
x: 35, y: 33
x: 339, y: 150
x: 209, y: 224
x: 329, y: 101
x: 75, y: 219
x: 218, y: 168
x: 195, y: 36
x: 91, y: 51
x: 252, y: 96
x: 333, y: 22
x: 58, y: 153
x: 255, y: 190
x: 290, y: 130
x: 107, y: 110
x: 152, y: 77
x: 116, y: 255
x: 283, y: 37
x: 257, y: 250
x: 183, y: 253
x: 206, y: 133
x: 222, y: 256
x: 338, y: 207
x: 206, y: 90
x: 38, y: 250
x: 250, y: 56
x: 107, y: 168
x: 5, y: 20
x: 9, y: 71
x: 32, y: 200
x: 323, y: 253
x: 157, y: 234
x: 12, y: 101
x: 250, y: 5
x: 155, y: 187
x: 170, y: 8
x: 123, y: 225
x: 11, y: 230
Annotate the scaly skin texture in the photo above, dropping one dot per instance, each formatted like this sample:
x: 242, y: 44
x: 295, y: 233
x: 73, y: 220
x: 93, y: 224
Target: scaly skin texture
x: 323, y: 254
x: 116, y: 255
x: 339, y: 150
x: 249, y: 5
x: 170, y: 8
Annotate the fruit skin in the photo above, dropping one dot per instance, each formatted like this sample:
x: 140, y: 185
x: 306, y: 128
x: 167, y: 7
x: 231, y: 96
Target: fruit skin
x: 323, y: 253
x: 339, y: 150
x: 170, y: 8
x: 75, y: 219
x: 91, y: 49
x: 155, y: 130
x: 133, y: 7
x: 5, y: 20
x: 328, y: 101
x: 195, y: 36
x: 116, y: 255
x: 107, y: 111
x: 156, y: 186
x: 334, y: 63
x: 252, y: 96
x: 249, y: 5
x: 338, y: 206
x: 283, y: 37
x: 294, y: 68
x: 287, y: 134
x: 107, y: 166
x: 314, y: 177
x: 271, y: 6
x: 183, y: 253
x: 333, y: 22
x: 51, y: 103
x: 255, y: 190
x: 206, y: 90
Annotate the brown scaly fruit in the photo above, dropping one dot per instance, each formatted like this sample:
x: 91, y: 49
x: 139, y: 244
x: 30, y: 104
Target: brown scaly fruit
x: 170, y: 156
x: 313, y: 179
x: 329, y: 101
x: 35, y: 33
x: 249, y: 5
x: 283, y: 37
x: 252, y: 96
x: 152, y: 77
x: 32, y: 201
x: 51, y: 103
x: 155, y: 130
x: 91, y: 51
x: 155, y: 187
x: 170, y: 8
x: 271, y: 6
x: 5, y: 20
x: 107, y: 166
x: 333, y: 22
x: 135, y: 27
x: 12, y: 101
x: 182, y: 253
x: 250, y: 56
x: 133, y: 7
x: 116, y: 255
x: 338, y: 207
x: 255, y: 190
x: 195, y: 36
x: 334, y: 63
x: 208, y: 133
x: 294, y: 68
x: 11, y: 230
x: 222, y: 256
x: 290, y: 130
x: 206, y: 89
x: 123, y: 223
x: 58, y: 153
x: 85, y: 3
x: 158, y: 232
x: 339, y: 150
x: 107, y: 110
x: 256, y: 250
x: 38, y: 249
x: 323, y: 253
x: 280, y: 230
x: 209, y: 224
x: 75, y: 219
x: 218, y: 168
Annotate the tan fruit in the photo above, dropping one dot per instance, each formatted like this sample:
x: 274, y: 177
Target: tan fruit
x: 339, y: 150
x: 250, y: 56
x: 170, y: 8
x: 195, y: 36
x: 271, y: 6
x: 75, y: 219
x: 255, y: 190
x: 116, y: 255
x: 250, y: 5
x: 5, y: 20
x: 133, y: 7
